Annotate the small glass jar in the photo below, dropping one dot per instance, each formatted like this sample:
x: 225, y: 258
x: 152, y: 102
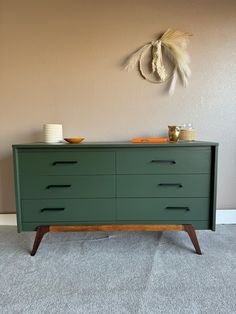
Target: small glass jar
x: 187, y: 132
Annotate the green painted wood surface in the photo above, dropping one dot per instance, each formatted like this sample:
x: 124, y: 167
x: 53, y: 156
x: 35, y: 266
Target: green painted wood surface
x: 164, y: 161
x: 41, y: 187
x: 74, y: 210
x: 152, y: 185
x: 88, y: 163
x: 132, y: 180
x: 118, y: 144
x: 213, y: 193
x: 157, y: 209
x: 16, y: 167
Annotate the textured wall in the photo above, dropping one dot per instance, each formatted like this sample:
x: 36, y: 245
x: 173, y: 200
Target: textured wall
x: 60, y: 61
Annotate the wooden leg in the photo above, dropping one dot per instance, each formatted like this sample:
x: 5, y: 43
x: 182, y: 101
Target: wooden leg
x: 38, y: 238
x: 193, y: 237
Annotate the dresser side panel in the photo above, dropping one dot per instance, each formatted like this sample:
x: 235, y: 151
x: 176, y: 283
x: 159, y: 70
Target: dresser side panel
x: 16, y: 168
x: 214, y: 171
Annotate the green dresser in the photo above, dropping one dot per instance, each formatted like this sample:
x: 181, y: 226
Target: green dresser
x: 115, y: 184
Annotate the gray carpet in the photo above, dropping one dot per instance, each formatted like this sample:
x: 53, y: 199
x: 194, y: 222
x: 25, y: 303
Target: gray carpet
x: 118, y: 273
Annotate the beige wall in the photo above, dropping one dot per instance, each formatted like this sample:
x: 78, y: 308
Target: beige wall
x: 60, y: 61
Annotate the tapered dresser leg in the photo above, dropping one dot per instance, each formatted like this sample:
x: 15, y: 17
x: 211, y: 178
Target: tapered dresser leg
x: 192, y: 234
x: 38, y: 238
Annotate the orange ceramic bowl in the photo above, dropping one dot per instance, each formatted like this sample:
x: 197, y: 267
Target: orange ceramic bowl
x: 74, y: 140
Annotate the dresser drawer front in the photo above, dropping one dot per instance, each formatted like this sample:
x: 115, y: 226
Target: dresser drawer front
x: 166, y: 161
x: 36, y: 187
x: 163, y: 185
x: 177, y: 209
x: 66, y: 162
x: 68, y: 210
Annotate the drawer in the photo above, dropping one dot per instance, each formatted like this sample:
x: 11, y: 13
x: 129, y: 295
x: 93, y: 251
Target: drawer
x: 175, y: 209
x: 197, y: 185
x: 68, y: 210
x: 61, y: 162
x: 35, y: 187
x: 166, y: 161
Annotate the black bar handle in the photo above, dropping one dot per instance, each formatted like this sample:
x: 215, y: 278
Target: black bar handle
x: 64, y: 162
x: 171, y: 184
x: 163, y: 161
x: 52, y: 209
x: 180, y: 207
x: 58, y: 186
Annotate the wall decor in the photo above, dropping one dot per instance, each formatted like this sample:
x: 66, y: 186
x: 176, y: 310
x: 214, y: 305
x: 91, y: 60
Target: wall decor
x: 172, y: 45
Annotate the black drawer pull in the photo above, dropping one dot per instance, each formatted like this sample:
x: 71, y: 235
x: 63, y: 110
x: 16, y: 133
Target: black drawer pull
x: 58, y: 186
x: 69, y: 162
x: 171, y: 184
x: 163, y: 161
x: 52, y: 209
x: 184, y: 208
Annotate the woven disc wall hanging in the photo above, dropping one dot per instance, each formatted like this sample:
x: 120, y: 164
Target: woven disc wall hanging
x: 172, y: 44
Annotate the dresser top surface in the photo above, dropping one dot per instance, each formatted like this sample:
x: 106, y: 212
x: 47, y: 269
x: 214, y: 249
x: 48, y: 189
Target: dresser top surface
x: 114, y: 144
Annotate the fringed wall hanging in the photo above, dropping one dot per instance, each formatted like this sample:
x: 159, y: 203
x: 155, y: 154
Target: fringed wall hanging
x: 172, y: 45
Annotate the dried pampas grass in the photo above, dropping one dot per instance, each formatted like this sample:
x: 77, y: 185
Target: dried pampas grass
x: 133, y: 60
x: 174, y: 43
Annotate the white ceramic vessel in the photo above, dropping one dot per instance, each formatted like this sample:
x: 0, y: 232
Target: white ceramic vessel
x: 52, y: 133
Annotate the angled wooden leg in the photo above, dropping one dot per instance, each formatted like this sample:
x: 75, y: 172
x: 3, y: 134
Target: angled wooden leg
x: 193, y: 237
x: 38, y: 238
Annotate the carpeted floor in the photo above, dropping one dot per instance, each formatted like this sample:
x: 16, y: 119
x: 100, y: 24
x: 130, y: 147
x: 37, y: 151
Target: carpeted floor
x: 118, y: 273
